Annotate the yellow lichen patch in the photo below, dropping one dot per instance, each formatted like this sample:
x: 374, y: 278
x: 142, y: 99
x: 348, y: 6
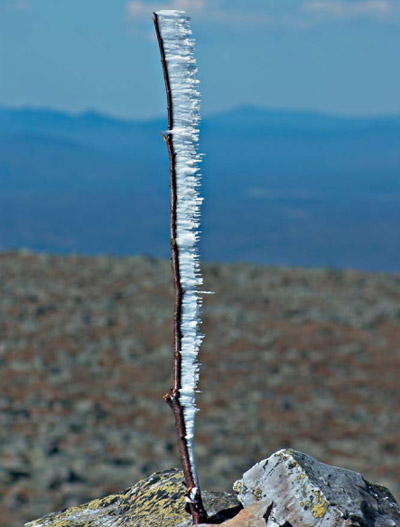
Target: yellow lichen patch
x: 257, y: 493
x: 319, y: 509
x: 103, y: 502
x: 321, y: 506
x: 284, y: 453
x: 237, y: 486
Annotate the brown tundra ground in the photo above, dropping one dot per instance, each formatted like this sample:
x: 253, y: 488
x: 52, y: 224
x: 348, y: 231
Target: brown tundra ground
x: 308, y: 359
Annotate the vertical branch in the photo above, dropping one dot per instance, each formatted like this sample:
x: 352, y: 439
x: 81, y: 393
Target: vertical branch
x: 172, y: 398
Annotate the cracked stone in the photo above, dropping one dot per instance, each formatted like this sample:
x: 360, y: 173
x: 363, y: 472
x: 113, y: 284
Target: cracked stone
x: 306, y: 493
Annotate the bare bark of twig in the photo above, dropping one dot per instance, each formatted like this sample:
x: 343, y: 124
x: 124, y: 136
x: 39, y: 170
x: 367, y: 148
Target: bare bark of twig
x: 173, y: 396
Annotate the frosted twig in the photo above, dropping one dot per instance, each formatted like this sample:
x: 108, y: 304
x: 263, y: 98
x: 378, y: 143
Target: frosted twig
x: 178, y: 63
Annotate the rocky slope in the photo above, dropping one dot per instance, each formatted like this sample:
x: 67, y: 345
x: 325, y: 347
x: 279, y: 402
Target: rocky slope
x: 308, y: 359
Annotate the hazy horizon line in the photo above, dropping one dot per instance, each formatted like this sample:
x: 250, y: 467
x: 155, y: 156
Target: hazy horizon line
x: 206, y: 115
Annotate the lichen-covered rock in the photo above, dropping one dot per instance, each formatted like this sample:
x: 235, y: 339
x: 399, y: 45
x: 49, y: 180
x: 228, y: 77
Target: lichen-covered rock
x: 289, y: 489
x: 158, y: 501
x: 293, y: 489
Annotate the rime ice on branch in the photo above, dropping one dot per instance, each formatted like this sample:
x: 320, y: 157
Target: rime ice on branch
x: 180, y: 74
x: 181, y: 64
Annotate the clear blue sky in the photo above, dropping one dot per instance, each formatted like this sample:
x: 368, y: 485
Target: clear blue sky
x: 340, y: 56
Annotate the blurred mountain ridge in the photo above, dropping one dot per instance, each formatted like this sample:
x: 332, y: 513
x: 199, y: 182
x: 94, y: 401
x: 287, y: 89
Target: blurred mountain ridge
x: 282, y: 186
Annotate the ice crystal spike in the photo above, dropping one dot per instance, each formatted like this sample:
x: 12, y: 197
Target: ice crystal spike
x: 179, y: 47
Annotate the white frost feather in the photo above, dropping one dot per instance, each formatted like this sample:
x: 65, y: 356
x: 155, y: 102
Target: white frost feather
x: 182, y: 71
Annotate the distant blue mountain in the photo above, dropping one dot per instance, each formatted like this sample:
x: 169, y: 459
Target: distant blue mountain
x: 281, y: 187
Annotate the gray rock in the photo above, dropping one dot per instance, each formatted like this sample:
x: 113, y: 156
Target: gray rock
x: 293, y: 489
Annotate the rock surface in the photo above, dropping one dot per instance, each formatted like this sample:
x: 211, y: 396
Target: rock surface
x: 157, y: 501
x: 289, y: 489
x: 295, y: 490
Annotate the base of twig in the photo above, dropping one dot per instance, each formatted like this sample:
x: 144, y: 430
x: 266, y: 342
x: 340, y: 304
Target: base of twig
x: 193, y: 495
